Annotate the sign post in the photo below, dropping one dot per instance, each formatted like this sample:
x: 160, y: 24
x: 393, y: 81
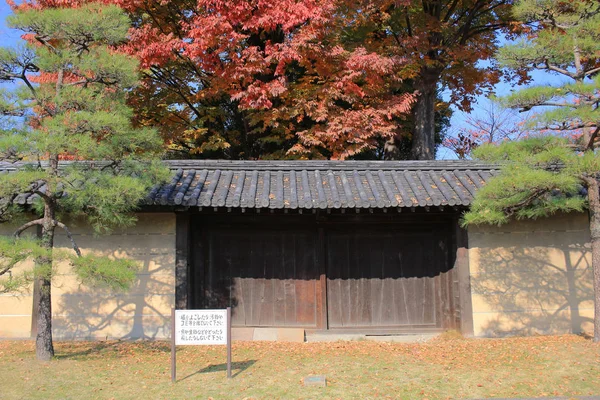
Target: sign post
x: 229, y: 342
x: 173, y: 349
x: 200, y: 327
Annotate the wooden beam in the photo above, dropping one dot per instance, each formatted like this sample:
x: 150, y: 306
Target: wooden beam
x: 322, y: 283
x: 465, y: 302
x: 182, y: 257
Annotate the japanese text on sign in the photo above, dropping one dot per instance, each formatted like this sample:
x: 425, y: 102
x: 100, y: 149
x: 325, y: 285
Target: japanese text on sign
x: 200, y: 327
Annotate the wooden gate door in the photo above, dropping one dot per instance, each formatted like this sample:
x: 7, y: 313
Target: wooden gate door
x: 388, y: 278
x: 268, y: 275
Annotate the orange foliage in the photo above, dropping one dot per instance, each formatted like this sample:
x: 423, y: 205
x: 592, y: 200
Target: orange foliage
x: 231, y: 76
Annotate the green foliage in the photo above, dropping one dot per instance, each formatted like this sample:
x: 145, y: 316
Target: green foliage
x: 539, y: 177
x: 13, y: 252
x: 104, y: 272
x: 73, y: 129
x: 544, y: 175
x: 565, y: 40
x: 90, y: 23
x: 98, y: 271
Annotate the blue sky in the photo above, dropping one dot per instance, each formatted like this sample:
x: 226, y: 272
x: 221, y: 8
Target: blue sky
x: 10, y: 37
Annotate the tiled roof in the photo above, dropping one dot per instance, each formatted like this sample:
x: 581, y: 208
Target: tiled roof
x: 315, y: 184
x: 321, y: 184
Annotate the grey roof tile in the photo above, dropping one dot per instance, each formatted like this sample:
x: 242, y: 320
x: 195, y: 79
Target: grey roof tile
x: 419, y: 193
x: 314, y: 184
x: 179, y: 197
x: 197, y: 189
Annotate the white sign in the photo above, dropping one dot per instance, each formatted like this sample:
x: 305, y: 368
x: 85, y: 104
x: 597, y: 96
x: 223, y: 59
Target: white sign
x: 200, y: 327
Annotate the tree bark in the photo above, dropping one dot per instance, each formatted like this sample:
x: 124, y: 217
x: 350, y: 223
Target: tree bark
x: 594, y: 211
x: 44, y: 347
x: 423, y: 143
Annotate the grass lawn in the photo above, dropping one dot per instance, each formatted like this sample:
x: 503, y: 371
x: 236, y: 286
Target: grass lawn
x: 444, y: 368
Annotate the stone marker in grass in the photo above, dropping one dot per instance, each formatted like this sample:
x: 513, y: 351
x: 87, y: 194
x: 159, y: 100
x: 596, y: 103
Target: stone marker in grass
x: 315, y: 380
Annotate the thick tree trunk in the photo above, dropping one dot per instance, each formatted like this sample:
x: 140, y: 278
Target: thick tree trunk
x: 594, y: 204
x: 423, y: 143
x: 44, y: 347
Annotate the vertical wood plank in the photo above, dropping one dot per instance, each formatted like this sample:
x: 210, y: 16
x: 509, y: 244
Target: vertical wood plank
x: 182, y: 264
x: 463, y: 273
x: 321, y: 286
x: 279, y: 275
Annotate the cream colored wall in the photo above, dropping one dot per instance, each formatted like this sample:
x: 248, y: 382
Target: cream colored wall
x: 15, y: 308
x: 532, y: 277
x: 83, y: 312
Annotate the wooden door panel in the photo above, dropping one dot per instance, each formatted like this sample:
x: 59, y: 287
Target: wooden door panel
x: 380, y: 278
x: 268, y: 276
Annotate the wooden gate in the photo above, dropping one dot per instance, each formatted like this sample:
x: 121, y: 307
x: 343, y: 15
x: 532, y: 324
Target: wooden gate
x: 387, y: 278
x: 326, y: 275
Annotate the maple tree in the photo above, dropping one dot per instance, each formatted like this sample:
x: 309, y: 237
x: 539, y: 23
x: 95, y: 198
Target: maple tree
x: 245, y: 79
x: 329, y: 71
x: 254, y: 79
x: 286, y: 76
x: 444, y: 42
x: 73, y: 147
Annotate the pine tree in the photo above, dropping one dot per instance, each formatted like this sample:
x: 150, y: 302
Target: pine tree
x: 78, y: 152
x: 545, y: 175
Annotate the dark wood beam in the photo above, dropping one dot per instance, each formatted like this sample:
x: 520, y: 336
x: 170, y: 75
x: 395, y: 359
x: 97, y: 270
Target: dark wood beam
x: 465, y: 302
x: 182, y: 260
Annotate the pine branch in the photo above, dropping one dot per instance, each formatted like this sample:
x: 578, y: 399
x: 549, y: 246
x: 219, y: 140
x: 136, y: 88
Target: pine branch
x: 509, y: 211
x: 27, y: 226
x: 70, y: 236
x: 590, y: 144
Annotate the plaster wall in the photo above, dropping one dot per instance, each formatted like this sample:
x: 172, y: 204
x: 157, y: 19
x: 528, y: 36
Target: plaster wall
x: 532, y: 277
x: 15, y: 308
x: 82, y: 312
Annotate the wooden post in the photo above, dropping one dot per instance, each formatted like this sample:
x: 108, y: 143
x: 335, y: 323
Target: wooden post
x: 464, y: 281
x: 173, y: 348
x: 322, y: 282
x: 228, y: 342
x: 182, y: 245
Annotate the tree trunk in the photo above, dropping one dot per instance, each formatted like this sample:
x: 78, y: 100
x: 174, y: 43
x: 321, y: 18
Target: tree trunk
x: 594, y: 210
x: 44, y: 347
x: 423, y: 142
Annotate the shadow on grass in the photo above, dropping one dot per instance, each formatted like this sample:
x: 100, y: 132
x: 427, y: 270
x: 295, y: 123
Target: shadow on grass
x: 82, y: 350
x: 240, y: 366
